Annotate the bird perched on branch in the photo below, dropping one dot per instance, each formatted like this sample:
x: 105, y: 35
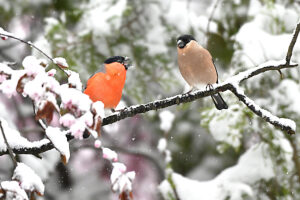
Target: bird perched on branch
x: 107, y: 86
x: 197, y: 67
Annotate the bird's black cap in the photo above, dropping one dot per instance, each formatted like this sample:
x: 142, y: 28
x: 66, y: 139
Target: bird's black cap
x: 120, y: 59
x: 183, y: 40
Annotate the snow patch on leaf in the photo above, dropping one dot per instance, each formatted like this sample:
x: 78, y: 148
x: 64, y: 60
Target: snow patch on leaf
x: 28, y: 179
x: 59, y: 140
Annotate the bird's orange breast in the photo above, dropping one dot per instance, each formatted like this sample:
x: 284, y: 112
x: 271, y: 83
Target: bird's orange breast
x: 107, y: 87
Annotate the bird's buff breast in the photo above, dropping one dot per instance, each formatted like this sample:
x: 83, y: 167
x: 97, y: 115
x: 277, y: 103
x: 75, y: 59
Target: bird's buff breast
x: 196, y: 66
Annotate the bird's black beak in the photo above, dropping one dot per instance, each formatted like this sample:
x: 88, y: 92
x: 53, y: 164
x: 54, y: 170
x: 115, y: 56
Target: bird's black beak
x: 127, y: 63
x: 180, y: 44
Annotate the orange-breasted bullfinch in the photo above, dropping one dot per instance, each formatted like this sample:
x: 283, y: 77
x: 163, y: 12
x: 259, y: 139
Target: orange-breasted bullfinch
x: 197, y: 67
x: 107, y: 86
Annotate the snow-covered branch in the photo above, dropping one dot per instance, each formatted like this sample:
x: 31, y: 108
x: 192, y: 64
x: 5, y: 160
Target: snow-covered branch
x: 231, y: 84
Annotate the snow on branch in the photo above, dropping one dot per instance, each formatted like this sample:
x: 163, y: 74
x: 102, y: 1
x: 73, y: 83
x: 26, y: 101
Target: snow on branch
x: 231, y: 84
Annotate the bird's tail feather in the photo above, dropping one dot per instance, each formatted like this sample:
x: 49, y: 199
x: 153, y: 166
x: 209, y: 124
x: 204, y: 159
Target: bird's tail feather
x: 219, y: 101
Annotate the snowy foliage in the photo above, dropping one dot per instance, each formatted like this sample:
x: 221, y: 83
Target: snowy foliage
x: 232, y: 182
x: 240, y: 35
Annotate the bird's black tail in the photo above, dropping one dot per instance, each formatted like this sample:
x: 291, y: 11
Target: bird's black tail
x: 219, y: 101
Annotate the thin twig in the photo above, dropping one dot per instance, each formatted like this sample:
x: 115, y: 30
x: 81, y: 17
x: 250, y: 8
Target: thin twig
x: 230, y: 84
x: 175, y: 100
x: 292, y: 44
x: 35, y: 47
x: 11, y: 154
x: 211, y: 15
x: 189, y: 97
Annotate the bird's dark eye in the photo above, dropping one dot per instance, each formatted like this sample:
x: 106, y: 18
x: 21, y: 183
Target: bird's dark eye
x: 181, y: 44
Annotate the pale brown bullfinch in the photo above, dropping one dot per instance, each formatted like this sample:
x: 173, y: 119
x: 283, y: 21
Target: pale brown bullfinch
x: 197, y: 67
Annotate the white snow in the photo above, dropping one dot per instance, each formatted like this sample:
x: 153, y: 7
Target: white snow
x: 266, y: 114
x: 59, y: 140
x: 13, y: 190
x: 234, y: 182
x: 15, y: 140
x: 32, y: 66
x: 109, y: 154
x: 162, y: 144
x: 98, y: 106
x: 74, y: 80
x: 67, y: 120
x: 61, y: 62
x: 8, y: 87
x: 121, y: 181
x: 28, y: 179
x: 82, y: 101
x: 223, y: 129
x: 51, y: 72
x: 166, y: 120
x: 97, y: 144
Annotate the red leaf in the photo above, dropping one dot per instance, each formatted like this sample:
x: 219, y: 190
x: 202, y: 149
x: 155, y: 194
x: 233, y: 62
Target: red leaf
x: 46, y: 112
x: 126, y: 196
x: 20, y: 86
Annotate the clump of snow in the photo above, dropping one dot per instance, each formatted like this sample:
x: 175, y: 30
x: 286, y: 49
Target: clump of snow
x: 59, y: 140
x: 109, y: 154
x: 67, y: 120
x: 13, y: 190
x: 266, y: 114
x: 51, y: 72
x: 32, y: 66
x: 234, y: 182
x: 8, y: 87
x: 97, y: 144
x: 61, y: 62
x: 166, y: 118
x: 98, y: 106
x: 82, y: 101
x: 28, y: 179
x: 268, y: 27
x: 74, y: 80
x: 162, y: 144
x: 15, y: 140
x: 121, y: 181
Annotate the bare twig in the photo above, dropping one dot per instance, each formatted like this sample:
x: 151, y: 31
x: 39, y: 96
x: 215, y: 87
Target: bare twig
x: 292, y: 44
x: 230, y: 84
x: 35, y: 47
x: 11, y: 154
x: 211, y: 15
x: 284, y: 124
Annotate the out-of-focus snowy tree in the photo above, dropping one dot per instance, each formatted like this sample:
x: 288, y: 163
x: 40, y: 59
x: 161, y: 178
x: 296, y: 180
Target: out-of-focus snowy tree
x: 240, y: 35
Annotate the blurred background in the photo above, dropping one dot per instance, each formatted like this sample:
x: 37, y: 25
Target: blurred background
x: 204, y: 142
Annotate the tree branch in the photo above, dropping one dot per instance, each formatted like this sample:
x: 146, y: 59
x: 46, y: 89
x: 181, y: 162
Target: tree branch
x: 292, y: 44
x: 231, y: 84
x: 8, y: 146
x: 9, y: 35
